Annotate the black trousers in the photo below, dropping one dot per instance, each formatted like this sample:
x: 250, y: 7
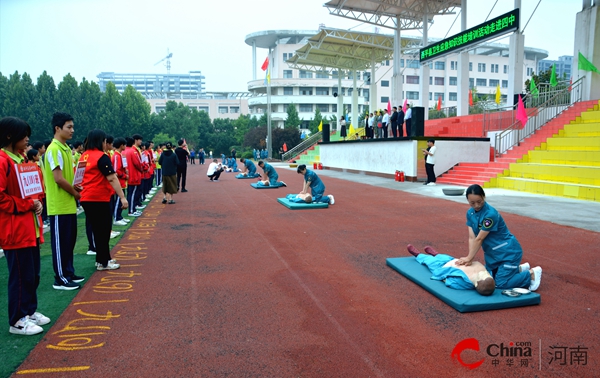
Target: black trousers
x: 216, y: 175
x: 394, y: 130
x: 181, y: 176
x: 430, y: 172
x: 63, y: 234
x: 23, y: 281
x: 99, y: 217
x: 408, y: 127
x: 134, y: 195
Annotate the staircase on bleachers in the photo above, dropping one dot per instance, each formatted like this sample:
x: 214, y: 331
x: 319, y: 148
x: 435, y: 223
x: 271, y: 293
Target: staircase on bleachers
x: 566, y: 164
x: 465, y: 174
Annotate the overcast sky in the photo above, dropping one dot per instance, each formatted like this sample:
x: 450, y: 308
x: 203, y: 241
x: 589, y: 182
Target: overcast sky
x: 86, y: 37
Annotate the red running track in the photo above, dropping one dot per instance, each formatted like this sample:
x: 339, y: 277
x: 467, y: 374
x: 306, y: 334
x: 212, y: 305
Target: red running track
x: 229, y: 283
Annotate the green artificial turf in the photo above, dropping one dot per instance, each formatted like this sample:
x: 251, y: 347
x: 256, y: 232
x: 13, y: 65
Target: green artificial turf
x: 15, y: 348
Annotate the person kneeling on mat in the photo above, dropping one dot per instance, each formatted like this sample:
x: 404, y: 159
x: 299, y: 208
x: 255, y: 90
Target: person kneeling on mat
x: 462, y: 277
x: 271, y: 175
x: 317, y: 188
x: 248, y: 168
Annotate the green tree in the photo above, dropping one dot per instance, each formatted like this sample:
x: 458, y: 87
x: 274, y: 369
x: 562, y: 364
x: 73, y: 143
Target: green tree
x: 313, y: 125
x: 292, y: 119
x: 88, y: 117
x: 289, y: 136
x: 180, y: 122
x: 3, y: 93
x: 17, y: 102
x: 110, y: 112
x: 68, y: 99
x: 135, y: 113
x: 255, y: 138
x: 204, y: 128
x: 162, y: 138
x: 43, y: 107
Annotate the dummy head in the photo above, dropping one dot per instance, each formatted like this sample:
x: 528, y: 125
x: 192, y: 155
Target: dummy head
x: 486, y: 286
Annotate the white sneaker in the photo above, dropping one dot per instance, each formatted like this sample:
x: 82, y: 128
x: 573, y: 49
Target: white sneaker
x: 147, y: 200
x: 431, y: 184
x: 114, y: 234
x: 524, y: 267
x: 140, y: 207
x: 25, y: 327
x: 91, y: 253
x: 283, y: 183
x: 39, y: 319
x: 136, y: 214
x: 110, y: 266
x: 120, y: 223
x: 331, y: 199
x: 537, y: 278
x: 126, y: 220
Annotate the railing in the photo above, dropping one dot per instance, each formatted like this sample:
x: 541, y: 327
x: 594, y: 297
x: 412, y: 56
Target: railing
x: 539, y: 110
x: 303, y: 146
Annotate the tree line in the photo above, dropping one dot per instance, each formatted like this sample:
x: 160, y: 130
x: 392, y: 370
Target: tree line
x: 128, y: 113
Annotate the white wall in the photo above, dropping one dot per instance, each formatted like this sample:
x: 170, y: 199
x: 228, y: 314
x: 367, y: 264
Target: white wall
x: 387, y: 157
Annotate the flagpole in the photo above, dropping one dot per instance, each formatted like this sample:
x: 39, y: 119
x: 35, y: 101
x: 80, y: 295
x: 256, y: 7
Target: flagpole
x: 269, y: 139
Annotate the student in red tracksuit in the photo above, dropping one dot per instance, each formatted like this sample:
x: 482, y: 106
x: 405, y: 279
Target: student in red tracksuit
x: 148, y: 175
x: 119, y: 163
x: 99, y: 182
x: 135, y: 168
x: 21, y: 232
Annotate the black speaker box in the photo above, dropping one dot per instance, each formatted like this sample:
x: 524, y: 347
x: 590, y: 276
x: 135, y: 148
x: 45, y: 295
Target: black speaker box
x: 325, y: 132
x: 418, y: 121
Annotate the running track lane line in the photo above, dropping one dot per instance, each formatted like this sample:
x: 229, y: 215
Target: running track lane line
x: 327, y: 314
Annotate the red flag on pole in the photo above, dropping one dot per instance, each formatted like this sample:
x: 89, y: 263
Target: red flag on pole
x: 404, y: 105
x: 285, y: 147
x: 571, y: 84
x: 389, y: 108
x: 265, y: 64
x: 470, y: 98
x: 521, y: 113
x: 439, y: 104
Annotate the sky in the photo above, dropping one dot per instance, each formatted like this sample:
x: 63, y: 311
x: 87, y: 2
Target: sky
x: 87, y: 37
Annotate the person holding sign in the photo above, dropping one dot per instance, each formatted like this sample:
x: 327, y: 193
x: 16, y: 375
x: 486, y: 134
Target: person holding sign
x: 99, y: 181
x: 22, y: 231
x: 62, y: 192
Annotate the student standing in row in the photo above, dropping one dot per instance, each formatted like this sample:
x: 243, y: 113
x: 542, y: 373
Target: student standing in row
x: 61, y: 196
x: 20, y: 234
x: 99, y: 183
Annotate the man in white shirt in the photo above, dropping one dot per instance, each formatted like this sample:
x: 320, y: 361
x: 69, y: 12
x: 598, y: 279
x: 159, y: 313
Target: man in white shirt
x: 429, y: 154
x: 408, y: 120
x: 384, y: 124
x: 214, y: 170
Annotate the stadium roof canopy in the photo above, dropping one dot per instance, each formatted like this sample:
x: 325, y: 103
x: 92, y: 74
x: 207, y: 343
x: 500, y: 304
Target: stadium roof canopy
x: 393, y: 14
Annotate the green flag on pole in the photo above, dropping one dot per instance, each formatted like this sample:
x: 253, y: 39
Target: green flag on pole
x: 553, y: 81
x: 533, y: 89
x: 586, y: 65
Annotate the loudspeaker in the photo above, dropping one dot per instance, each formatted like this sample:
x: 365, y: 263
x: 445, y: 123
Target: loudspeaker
x: 418, y: 121
x: 325, y: 132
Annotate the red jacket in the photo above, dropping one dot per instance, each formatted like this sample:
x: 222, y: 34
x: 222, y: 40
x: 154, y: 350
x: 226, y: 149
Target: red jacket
x: 96, y: 187
x: 18, y: 224
x: 148, y: 167
x: 134, y: 165
x: 120, y: 170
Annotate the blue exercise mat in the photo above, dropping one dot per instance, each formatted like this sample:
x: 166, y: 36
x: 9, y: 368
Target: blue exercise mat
x: 461, y: 300
x: 255, y: 185
x: 242, y: 177
x: 302, y: 206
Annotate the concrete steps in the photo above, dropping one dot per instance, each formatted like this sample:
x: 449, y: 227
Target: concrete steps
x: 571, y: 122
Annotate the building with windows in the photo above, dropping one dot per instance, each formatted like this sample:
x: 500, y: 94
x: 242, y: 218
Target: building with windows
x: 564, y: 66
x: 188, y: 89
x: 488, y: 68
x: 157, y: 85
